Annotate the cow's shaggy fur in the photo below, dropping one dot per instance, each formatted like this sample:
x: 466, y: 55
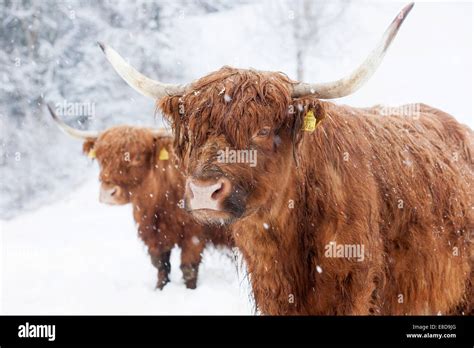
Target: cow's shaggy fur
x: 398, y: 185
x: 129, y: 158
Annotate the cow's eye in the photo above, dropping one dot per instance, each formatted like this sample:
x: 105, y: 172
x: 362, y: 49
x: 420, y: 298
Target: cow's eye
x: 135, y: 161
x: 264, y: 132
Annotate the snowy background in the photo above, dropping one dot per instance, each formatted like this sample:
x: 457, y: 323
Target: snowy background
x: 61, y: 252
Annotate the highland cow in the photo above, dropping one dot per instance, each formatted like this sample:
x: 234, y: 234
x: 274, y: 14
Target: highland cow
x: 348, y: 211
x: 138, y: 166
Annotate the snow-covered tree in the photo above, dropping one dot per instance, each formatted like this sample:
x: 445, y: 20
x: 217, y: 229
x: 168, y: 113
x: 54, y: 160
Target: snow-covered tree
x: 303, y: 22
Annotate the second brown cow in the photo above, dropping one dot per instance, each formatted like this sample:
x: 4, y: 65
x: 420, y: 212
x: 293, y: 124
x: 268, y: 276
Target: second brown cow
x: 138, y: 166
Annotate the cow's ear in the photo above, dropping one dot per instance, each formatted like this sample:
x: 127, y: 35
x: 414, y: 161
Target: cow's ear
x: 309, y: 113
x: 161, y: 150
x: 88, y: 148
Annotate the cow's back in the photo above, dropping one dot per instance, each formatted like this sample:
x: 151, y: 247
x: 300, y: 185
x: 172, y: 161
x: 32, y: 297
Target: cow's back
x: 408, y: 179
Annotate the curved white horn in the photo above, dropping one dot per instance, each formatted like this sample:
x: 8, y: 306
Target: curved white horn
x: 76, y: 133
x: 138, y: 81
x: 354, y: 81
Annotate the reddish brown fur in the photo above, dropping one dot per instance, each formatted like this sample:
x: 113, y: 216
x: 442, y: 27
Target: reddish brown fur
x: 129, y: 157
x: 352, y: 172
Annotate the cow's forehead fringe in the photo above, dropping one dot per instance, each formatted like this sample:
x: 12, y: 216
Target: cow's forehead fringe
x: 119, y: 146
x: 231, y: 102
x: 120, y: 139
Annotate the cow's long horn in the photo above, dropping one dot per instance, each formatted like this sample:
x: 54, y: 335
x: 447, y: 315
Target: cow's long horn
x: 142, y: 84
x: 76, y: 133
x: 354, y: 81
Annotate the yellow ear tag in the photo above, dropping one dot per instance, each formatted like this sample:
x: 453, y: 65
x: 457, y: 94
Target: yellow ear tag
x: 310, y: 122
x: 91, y: 153
x: 164, y: 155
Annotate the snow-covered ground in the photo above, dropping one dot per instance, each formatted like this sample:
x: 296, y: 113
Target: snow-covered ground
x: 78, y: 256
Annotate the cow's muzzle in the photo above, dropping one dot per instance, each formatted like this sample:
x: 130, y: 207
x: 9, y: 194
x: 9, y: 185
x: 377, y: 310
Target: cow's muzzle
x: 207, y: 195
x: 112, y: 195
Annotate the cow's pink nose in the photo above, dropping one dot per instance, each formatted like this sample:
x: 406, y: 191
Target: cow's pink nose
x: 205, y: 195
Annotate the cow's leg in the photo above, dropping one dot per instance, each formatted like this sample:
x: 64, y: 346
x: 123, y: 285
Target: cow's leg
x: 161, y: 260
x: 191, y: 254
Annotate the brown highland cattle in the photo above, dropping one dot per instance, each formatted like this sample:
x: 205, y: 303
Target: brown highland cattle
x: 139, y: 166
x: 347, y: 211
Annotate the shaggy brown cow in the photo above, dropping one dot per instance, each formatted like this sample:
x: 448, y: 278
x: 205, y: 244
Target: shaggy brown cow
x: 139, y: 166
x: 347, y: 211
